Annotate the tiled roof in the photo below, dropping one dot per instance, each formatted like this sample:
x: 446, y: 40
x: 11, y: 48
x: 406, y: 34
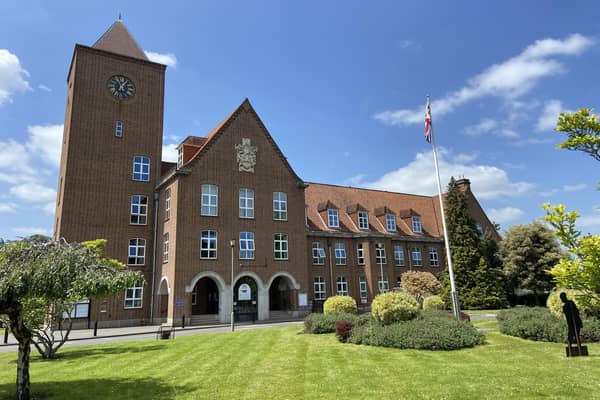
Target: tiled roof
x: 117, y: 39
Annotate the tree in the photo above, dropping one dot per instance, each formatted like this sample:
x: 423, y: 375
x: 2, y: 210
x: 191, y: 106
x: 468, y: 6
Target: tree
x: 49, y: 273
x: 528, y: 252
x: 420, y: 284
x: 583, y: 130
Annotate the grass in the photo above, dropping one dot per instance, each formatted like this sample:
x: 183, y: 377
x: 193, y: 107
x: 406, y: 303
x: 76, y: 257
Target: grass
x: 281, y: 363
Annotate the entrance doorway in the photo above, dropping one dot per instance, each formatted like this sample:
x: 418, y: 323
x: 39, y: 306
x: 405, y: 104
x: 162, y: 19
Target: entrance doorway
x: 245, y: 299
x: 280, y: 294
x: 205, y: 297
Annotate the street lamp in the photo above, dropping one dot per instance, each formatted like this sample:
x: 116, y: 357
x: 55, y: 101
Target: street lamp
x: 380, y: 262
x: 232, y: 244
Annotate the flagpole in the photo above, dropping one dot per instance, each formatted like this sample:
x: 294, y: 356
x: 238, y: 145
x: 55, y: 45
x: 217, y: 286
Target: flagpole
x: 453, y: 292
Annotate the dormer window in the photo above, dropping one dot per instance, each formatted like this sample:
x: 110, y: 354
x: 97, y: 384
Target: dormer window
x: 179, y: 156
x: 416, y: 224
x: 333, y: 220
x: 390, y: 222
x: 363, y: 220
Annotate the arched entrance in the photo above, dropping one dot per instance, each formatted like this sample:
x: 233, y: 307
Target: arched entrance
x: 205, y: 297
x: 281, y: 294
x: 163, y: 299
x: 245, y: 299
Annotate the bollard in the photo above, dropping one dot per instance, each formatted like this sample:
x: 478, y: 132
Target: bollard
x: 5, y: 335
x: 183, y: 321
x: 95, y: 328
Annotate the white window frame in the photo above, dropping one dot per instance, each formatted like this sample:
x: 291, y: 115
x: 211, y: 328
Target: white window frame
x: 383, y: 284
x: 416, y: 257
x: 210, y: 200
x: 399, y: 261
x: 246, y: 202
x: 360, y: 254
x: 280, y: 206
x: 168, y: 203
x: 390, y: 222
x: 166, y: 247
x: 340, y: 253
x: 319, y: 288
x: 280, y: 246
x: 139, y: 255
x: 333, y: 218
x: 179, y: 156
x: 434, y: 259
x: 363, y: 220
x: 362, y: 284
x: 247, y: 248
x: 141, y: 169
x: 209, y: 244
x: 417, y: 227
x: 119, y: 129
x: 380, y: 256
x: 341, y: 286
x: 138, y: 210
x: 318, y: 253
x: 134, y: 297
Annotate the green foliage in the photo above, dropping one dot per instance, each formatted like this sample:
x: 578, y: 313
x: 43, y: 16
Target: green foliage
x: 420, y: 284
x: 339, y: 304
x: 429, y: 331
x: 583, y: 130
x: 391, y: 307
x: 433, y: 303
x: 555, y: 304
x: 325, y: 323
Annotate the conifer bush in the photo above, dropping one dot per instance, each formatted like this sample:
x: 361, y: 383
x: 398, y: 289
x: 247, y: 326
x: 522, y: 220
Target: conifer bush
x: 339, y: 304
x: 433, y: 303
x: 391, y: 307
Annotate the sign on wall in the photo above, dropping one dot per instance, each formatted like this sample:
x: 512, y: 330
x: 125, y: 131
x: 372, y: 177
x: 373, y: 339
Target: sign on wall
x: 302, y: 299
x: 244, y: 292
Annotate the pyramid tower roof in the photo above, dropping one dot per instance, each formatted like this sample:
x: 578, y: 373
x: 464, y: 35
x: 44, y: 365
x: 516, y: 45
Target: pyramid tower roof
x: 117, y: 39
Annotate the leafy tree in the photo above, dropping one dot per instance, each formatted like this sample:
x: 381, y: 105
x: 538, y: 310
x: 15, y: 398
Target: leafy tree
x: 420, y: 284
x: 50, y: 273
x: 583, y: 130
x: 528, y: 252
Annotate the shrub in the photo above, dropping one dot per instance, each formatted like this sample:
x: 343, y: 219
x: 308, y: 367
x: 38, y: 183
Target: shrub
x: 325, y: 323
x: 555, y: 304
x: 420, y: 284
x: 429, y: 331
x: 433, y: 303
x: 391, y: 307
x: 339, y: 304
x: 343, y: 330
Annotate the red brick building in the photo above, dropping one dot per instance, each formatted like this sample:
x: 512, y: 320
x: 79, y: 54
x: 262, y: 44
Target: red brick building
x: 230, y: 222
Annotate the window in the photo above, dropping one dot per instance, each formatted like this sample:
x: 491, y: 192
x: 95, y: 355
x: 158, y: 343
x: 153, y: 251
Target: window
x: 417, y: 259
x: 434, y: 260
x: 479, y: 227
x: 360, y: 254
x: 363, y: 220
x: 179, y: 156
x: 340, y: 254
x: 398, y: 255
x: 141, y: 168
x: 139, y: 209
x: 137, y: 251
x: 384, y: 285
x: 210, y: 198
x: 246, y: 203
x: 246, y: 245
x: 380, y: 257
x: 362, y: 283
x: 390, y: 222
x: 133, y: 296
x: 119, y: 129
x: 281, y: 246
x: 279, y: 206
x: 168, y: 203
x: 208, y: 244
x: 398, y: 281
x: 416, y: 224
x: 319, y: 287
x: 332, y: 218
x: 342, y: 286
x: 165, y: 247
x: 318, y: 253
x: 194, y: 298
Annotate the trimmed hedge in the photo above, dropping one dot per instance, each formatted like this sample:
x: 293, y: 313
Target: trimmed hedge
x: 325, y: 323
x: 339, y: 304
x: 433, y: 303
x: 392, y: 307
x: 429, y: 331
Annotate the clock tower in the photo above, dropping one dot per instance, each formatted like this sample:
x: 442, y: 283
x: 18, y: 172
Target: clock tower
x: 111, y: 159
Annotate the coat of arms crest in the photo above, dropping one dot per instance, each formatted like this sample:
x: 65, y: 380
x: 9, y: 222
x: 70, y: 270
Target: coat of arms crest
x: 246, y: 155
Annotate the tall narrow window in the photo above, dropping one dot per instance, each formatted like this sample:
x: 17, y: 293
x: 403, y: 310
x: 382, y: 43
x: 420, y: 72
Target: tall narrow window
x: 318, y: 253
x: 179, y: 156
x: 246, y: 203
x: 210, y: 200
x: 417, y: 259
x: 390, y: 222
x: 138, y: 210
x: 166, y: 247
x: 279, y: 206
x: 340, y: 254
x: 119, y: 129
x: 380, y: 257
x: 333, y: 220
x: 360, y: 254
x: 168, y: 203
x: 246, y: 245
x: 342, y: 286
x: 208, y: 244
x: 280, y: 243
x: 363, y: 220
x: 137, y: 251
x: 141, y: 168
x: 434, y: 260
x: 398, y: 255
x: 416, y: 224
x: 384, y: 285
x: 134, y: 296
x: 319, y: 287
x: 362, y: 282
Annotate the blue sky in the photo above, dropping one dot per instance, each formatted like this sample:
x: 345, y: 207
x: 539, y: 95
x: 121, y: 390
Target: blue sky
x: 340, y: 85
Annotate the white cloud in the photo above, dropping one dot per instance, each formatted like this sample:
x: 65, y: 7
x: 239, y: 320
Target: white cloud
x: 44, y: 88
x: 592, y: 220
x: 12, y: 76
x: 487, y: 181
x: 33, y: 193
x: 8, y: 207
x: 14, y: 156
x: 509, y: 79
x: 169, y: 152
x: 528, y: 141
x: 506, y: 214
x: 485, y: 125
x: 355, y: 180
x: 30, y: 230
x: 574, y: 188
x: 549, y: 193
x: 547, y: 121
x: 405, y: 43
x: 46, y: 140
x: 49, y: 208
x: 162, y: 58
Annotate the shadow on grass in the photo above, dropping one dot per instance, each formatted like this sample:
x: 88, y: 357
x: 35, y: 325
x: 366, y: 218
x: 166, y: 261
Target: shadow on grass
x: 91, y: 389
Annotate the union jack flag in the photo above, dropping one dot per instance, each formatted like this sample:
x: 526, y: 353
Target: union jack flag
x: 428, y: 122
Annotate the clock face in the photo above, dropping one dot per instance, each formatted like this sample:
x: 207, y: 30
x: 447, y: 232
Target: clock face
x: 120, y: 87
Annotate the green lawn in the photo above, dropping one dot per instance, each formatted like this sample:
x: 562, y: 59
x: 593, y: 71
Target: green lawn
x: 281, y: 363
